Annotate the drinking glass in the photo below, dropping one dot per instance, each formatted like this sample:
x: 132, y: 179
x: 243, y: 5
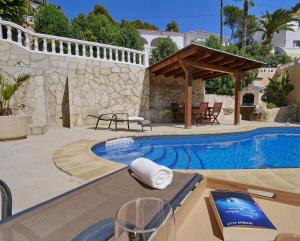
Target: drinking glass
x: 145, y: 219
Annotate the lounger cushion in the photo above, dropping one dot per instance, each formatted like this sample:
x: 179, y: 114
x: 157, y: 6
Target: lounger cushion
x: 135, y: 118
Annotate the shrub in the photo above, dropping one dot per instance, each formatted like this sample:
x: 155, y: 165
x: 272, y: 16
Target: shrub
x: 49, y: 19
x: 14, y: 10
x: 165, y: 47
x: 271, y: 106
x: 278, y: 89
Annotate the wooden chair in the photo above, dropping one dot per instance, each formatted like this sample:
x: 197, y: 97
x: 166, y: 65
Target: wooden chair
x: 201, y: 116
x: 215, y: 112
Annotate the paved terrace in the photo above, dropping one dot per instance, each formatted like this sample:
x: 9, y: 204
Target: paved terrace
x: 27, y: 165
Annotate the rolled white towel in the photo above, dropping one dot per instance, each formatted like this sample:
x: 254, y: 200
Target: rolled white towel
x: 152, y: 174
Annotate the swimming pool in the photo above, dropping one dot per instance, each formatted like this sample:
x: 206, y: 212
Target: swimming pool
x: 257, y: 149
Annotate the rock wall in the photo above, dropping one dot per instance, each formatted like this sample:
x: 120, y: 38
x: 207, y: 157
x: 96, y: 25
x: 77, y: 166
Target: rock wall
x: 283, y: 114
x: 227, y: 100
x: 167, y: 90
x: 64, y: 90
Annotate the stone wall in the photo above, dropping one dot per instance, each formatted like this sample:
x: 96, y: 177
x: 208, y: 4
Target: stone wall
x: 227, y: 100
x: 64, y: 90
x: 283, y: 114
x: 167, y: 90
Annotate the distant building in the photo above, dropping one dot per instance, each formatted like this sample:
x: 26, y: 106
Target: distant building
x: 35, y: 3
x: 152, y: 37
x: 285, y: 41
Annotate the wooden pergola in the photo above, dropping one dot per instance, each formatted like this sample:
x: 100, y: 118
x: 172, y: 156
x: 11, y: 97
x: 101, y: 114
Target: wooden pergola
x: 200, y: 62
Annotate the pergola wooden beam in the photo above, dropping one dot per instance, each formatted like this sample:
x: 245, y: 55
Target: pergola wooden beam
x: 212, y: 67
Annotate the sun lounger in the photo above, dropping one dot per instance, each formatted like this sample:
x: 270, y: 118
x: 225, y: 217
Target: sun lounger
x: 91, y: 206
x: 121, y: 118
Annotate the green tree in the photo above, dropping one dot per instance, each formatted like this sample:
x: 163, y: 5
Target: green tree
x: 138, y: 24
x: 13, y: 10
x: 278, y: 89
x: 130, y: 37
x: 172, y: 26
x: 101, y: 10
x: 252, y: 26
x: 296, y: 7
x: 165, y: 47
x: 49, y: 19
x: 99, y: 28
x: 233, y: 16
x: 272, y: 23
x: 245, y: 31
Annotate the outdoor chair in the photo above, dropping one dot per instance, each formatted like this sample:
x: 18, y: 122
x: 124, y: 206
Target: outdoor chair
x: 200, y: 117
x: 122, y: 118
x: 215, y: 112
x: 87, y: 212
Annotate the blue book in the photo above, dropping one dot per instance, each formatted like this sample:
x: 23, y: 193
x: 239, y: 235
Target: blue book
x: 240, y: 218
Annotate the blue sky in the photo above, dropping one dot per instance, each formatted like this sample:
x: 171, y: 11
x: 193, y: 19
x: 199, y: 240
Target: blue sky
x: 190, y: 14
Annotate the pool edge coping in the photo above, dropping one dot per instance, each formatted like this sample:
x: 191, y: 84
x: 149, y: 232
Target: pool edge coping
x: 77, y: 159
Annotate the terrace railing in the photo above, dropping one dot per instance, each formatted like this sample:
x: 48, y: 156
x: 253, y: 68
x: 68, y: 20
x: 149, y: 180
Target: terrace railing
x: 43, y: 43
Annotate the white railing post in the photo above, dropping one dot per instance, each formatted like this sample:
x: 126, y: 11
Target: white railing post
x: 104, y: 53
x: 146, y: 57
x: 76, y: 49
x: 123, y: 55
x: 69, y: 49
x: 52, y: 45
x: 1, y: 34
x: 61, y: 49
x: 83, y: 50
x: 27, y: 41
x: 19, y: 36
x: 117, y: 55
x: 98, y: 52
x: 140, y: 59
x: 9, y: 33
x: 134, y: 58
x: 36, y: 47
x: 110, y: 54
x: 45, y: 45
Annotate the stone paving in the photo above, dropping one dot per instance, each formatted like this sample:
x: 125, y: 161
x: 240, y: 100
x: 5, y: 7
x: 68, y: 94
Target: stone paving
x: 27, y: 165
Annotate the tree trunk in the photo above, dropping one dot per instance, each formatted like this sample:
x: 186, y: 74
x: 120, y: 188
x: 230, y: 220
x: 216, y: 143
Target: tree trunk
x: 221, y: 22
x: 269, y: 38
x: 245, y: 23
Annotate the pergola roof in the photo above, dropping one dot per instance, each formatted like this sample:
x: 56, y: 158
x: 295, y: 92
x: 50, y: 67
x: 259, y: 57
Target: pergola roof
x: 206, y: 62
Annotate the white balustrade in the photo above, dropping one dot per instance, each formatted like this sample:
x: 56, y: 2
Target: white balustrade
x: 95, y: 50
x: 19, y: 36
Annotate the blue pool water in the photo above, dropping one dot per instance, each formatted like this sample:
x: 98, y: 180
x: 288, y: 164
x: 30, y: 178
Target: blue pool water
x: 261, y: 148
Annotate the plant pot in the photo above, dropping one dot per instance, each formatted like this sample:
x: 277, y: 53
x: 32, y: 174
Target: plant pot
x: 13, y: 127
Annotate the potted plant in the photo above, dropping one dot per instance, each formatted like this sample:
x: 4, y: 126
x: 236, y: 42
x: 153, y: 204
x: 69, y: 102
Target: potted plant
x: 11, y: 126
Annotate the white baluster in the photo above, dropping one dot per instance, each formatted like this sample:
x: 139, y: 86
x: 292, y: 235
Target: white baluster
x: 61, y: 48
x: 9, y: 33
x: 1, y: 34
x: 69, y: 49
x: 36, y: 47
x: 45, y: 45
x: 91, y: 51
x: 110, y: 54
x: 123, y: 56
x: 27, y: 42
x: 140, y: 59
x: 83, y: 50
x: 52, y: 45
x: 76, y: 49
x: 134, y: 58
x: 104, y: 53
x: 98, y: 52
x: 19, y: 36
x: 117, y: 55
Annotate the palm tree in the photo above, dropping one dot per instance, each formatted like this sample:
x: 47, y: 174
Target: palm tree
x: 272, y: 23
x: 221, y: 21
x: 245, y: 20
